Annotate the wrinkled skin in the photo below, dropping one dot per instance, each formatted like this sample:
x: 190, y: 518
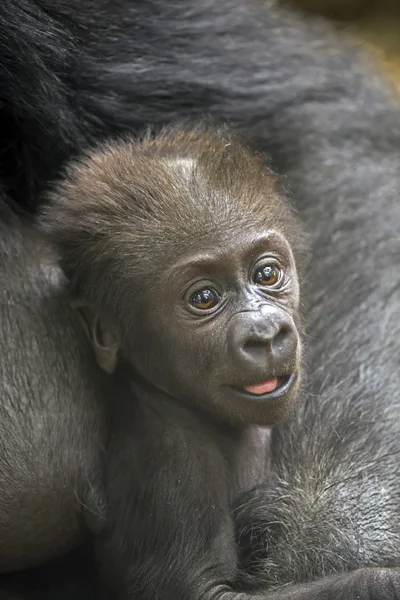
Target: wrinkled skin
x: 332, y: 127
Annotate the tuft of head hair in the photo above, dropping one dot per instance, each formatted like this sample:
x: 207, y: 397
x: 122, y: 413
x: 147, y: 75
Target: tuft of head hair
x: 132, y: 204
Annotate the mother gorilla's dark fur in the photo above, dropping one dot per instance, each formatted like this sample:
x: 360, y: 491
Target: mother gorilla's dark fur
x: 72, y: 71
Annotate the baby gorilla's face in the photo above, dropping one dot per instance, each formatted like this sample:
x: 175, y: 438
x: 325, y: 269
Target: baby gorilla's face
x: 179, y: 249
x: 218, y: 328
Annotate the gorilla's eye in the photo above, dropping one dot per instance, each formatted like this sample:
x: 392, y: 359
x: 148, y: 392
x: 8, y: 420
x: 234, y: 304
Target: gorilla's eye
x: 205, y: 299
x: 267, y: 275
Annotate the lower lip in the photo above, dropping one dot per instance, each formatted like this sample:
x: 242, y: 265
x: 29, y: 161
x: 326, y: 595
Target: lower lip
x: 285, y: 383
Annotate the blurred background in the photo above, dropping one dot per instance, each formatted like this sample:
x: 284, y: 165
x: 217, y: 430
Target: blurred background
x: 375, y: 23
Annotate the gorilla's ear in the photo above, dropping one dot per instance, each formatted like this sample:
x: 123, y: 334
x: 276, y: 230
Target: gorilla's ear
x: 101, y: 333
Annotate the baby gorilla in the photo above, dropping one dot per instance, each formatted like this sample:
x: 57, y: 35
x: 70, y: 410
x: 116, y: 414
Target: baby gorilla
x: 181, y: 254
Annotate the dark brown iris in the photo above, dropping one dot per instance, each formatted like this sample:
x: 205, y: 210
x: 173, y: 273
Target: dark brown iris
x: 204, y: 299
x: 267, y: 275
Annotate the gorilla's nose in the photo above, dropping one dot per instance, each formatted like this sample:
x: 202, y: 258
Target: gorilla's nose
x: 263, y: 340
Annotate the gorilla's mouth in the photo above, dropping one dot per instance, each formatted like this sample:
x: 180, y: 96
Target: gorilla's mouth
x: 268, y: 389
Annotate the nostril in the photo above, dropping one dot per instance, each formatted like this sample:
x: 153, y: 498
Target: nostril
x: 281, y: 336
x: 256, y: 349
x: 255, y: 345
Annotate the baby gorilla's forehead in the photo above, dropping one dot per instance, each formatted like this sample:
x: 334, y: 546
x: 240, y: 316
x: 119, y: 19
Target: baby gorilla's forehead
x: 211, y: 237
